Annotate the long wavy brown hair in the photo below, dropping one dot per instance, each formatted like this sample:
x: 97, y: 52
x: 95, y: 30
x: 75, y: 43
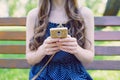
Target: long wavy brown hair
x: 76, y: 23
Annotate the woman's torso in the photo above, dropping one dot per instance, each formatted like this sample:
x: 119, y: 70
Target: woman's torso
x: 63, y: 66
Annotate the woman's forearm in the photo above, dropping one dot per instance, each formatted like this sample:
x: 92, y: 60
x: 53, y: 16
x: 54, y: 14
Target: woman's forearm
x: 34, y: 57
x: 84, y: 55
x: 49, y: 47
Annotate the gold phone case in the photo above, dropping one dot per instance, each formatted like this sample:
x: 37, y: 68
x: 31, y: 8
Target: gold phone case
x: 59, y: 32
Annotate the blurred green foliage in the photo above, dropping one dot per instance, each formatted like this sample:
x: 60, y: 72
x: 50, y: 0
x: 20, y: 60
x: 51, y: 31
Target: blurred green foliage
x: 22, y: 7
x: 97, y: 6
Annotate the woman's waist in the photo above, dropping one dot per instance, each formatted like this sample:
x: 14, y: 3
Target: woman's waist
x: 63, y: 57
x: 60, y: 57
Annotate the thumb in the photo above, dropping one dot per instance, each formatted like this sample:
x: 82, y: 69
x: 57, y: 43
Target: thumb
x: 68, y: 36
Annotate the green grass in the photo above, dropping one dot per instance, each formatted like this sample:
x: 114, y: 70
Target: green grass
x: 15, y: 28
x: 14, y: 74
x: 12, y: 42
x: 13, y: 56
x: 105, y: 75
x: 107, y: 58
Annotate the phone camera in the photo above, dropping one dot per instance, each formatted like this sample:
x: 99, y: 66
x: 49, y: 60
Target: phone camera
x: 58, y: 33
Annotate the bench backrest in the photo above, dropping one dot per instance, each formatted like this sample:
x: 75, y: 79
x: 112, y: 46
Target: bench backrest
x: 99, y: 50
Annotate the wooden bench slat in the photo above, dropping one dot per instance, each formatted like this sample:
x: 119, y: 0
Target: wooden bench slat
x: 12, y: 49
x: 107, y: 50
x: 99, y: 50
x: 99, y: 21
x: 13, y: 21
x: 99, y: 35
x: 95, y: 65
x: 12, y: 35
x: 107, y: 35
x: 107, y: 21
x: 14, y: 63
x: 104, y: 65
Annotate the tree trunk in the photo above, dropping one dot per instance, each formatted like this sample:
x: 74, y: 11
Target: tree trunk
x: 112, y: 8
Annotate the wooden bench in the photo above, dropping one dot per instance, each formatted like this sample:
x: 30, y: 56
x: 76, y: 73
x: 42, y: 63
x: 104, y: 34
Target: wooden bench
x: 99, y: 50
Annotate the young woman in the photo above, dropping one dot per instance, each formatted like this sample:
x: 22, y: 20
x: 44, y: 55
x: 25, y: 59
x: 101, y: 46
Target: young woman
x: 71, y: 53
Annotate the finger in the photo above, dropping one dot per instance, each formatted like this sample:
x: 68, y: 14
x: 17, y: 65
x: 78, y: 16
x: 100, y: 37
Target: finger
x: 67, y: 48
x: 73, y: 44
x: 67, y: 40
x: 51, y: 45
x: 68, y: 36
x: 51, y: 40
x: 52, y: 50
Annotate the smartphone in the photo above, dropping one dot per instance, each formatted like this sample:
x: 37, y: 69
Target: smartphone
x: 61, y: 32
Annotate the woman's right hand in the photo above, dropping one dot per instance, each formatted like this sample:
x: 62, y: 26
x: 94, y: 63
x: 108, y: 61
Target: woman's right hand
x: 50, y: 46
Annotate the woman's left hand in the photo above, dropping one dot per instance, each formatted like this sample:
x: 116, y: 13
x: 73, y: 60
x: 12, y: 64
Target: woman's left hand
x: 68, y: 44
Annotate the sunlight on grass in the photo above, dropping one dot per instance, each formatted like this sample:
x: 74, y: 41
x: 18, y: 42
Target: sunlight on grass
x: 14, y: 74
x: 109, y: 28
x: 105, y: 75
x: 107, y: 58
x: 13, y: 56
x: 107, y: 43
x: 5, y: 28
x: 12, y: 42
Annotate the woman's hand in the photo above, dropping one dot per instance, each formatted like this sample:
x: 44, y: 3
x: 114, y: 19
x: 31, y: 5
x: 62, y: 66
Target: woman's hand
x: 50, y: 46
x: 68, y: 44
